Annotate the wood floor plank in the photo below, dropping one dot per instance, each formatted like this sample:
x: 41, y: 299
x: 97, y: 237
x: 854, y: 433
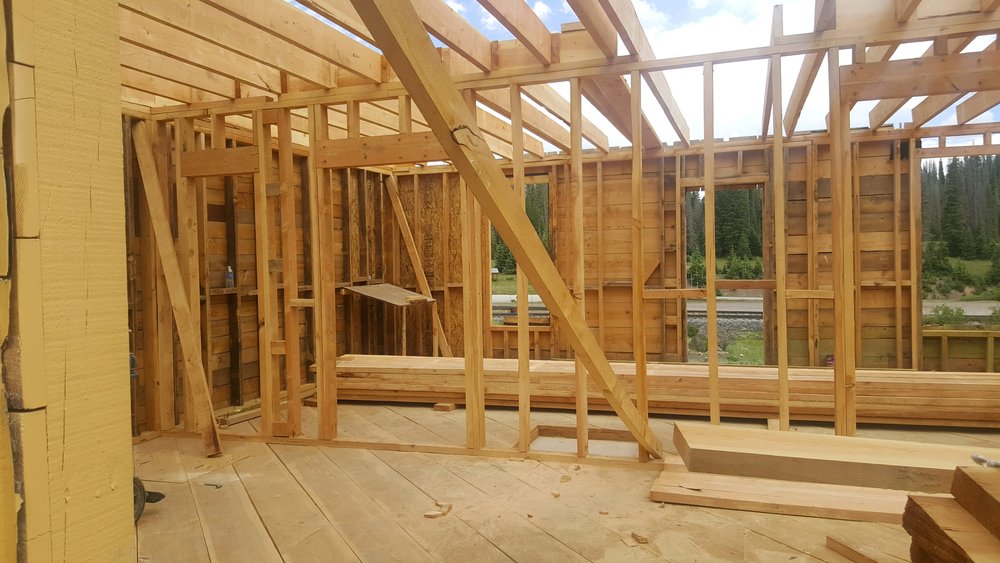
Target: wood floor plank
x: 170, y: 530
x: 401, y: 428
x: 159, y: 460
x: 512, y: 531
x: 289, y: 514
x: 446, y: 538
x: 369, y: 530
x: 233, y: 529
x: 549, y: 513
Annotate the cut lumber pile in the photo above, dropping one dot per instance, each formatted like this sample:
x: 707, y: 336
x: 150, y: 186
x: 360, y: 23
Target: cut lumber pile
x: 819, y: 475
x: 886, y: 397
x: 676, y: 485
x: 963, y: 526
x: 820, y: 458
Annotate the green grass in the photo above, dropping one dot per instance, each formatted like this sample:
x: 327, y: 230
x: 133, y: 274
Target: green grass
x: 506, y: 284
x: 977, y: 268
x: 747, y: 350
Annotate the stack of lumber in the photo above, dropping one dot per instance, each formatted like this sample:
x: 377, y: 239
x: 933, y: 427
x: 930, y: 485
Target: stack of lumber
x: 963, y: 526
x: 803, y: 474
x: 887, y: 397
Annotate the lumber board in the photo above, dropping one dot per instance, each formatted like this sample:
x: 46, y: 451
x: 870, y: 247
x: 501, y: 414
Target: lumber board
x: 219, y: 162
x: 889, y: 397
x: 842, y: 502
x: 946, y: 532
x: 816, y: 458
x: 977, y: 489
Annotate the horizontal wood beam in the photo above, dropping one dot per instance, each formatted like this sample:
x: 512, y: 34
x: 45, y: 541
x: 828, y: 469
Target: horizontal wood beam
x: 948, y: 74
x: 405, y: 148
x: 969, y: 150
x: 219, y: 162
x: 885, y: 109
x: 152, y: 84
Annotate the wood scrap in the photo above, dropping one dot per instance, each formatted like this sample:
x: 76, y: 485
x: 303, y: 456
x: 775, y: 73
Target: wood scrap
x: 444, y: 407
x: 755, y: 494
x: 946, y: 532
x: 639, y: 538
x: 443, y: 509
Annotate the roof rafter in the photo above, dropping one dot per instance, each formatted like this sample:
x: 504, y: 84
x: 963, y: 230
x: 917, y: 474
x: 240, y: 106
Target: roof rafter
x: 624, y: 18
x: 215, y: 26
x: 533, y: 119
x: 777, y: 30
x: 525, y: 25
x: 139, y: 58
x: 456, y: 32
x: 547, y: 97
x: 885, y: 109
x: 976, y: 105
x: 307, y: 33
x: 139, y: 30
x: 905, y: 9
x: 598, y: 25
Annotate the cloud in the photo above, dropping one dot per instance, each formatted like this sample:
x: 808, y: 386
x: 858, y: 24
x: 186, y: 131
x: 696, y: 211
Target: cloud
x: 489, y: 21
x: 565, y: 8
x: 541, y: 9
x: 455, y: 5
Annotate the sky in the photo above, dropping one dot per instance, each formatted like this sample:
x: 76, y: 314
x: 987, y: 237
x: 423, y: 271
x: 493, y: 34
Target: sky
x: 684, y: 27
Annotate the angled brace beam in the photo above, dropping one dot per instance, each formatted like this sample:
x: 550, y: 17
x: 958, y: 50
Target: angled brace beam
x: 190, y: 341
x: 412, y: 55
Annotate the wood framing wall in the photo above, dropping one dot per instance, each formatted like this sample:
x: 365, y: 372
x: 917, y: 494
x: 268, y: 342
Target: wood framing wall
x: 370, y: 249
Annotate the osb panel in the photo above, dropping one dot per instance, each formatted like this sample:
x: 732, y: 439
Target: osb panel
x: 83, y: 281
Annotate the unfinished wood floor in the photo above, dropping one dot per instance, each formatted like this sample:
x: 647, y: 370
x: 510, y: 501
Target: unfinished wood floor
x: 269, y: 502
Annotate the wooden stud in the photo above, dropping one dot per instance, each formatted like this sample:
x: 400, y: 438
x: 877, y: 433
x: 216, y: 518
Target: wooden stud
x: 177, y: 292
x: 474, y: 399
x: 577, y: 275
x: 638, y: 255
x: 916, y: 309
x: 324, y: 280
x: 523, y: 346
x: 812, y: 316
x: 711, y: 313
x: 897, y: 252
x: 187, y: 244
x: 266, y: 312
x: 843, y: 254
x: 289, y: 272
x: 780, y: 236
x: 680, y: 264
